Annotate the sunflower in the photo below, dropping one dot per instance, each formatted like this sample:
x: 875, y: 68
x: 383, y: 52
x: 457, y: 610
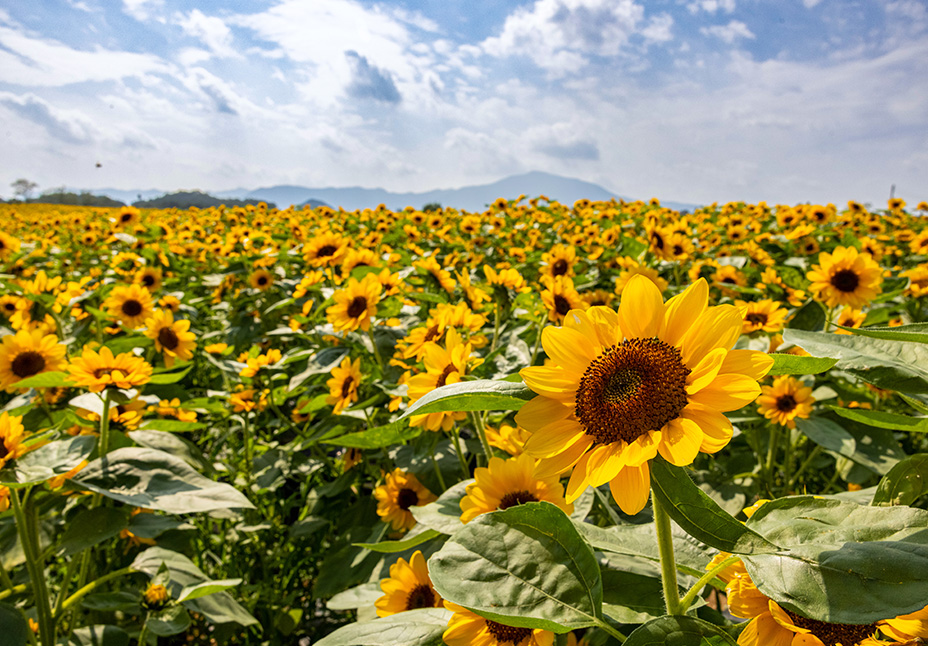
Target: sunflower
x: 399, y: 492
x: 25, y: 354
x: 343, y: 386
x: 11, y: 438
x: 171, y: 337
x: 249, y: 399
x: 634, y: 269
x: 355, y: 305
x: 150, y: 278
x: 727, y: 275
x: 128, y: 215
x: 849, y: 317
x: 99, y: 370
x: 359, y: 258
x: 560, y: 297
x: 773, y: 625
x: 509, y: 278
x: 326, y: 249
x: 918, y: 281
x: 845, y: 277
x: 8, y: 245
x: 408, y: 587
x: 762, y: 316
x: 507, y: 438
x: 559, y: 261
x: 466, y: 628
x: 623, y: 386
x: 784, y: 401
x: 506, y: 483
x: 443, y: 366
x: 130, y: 305
x: 261, y: 279
x: 441, y: 276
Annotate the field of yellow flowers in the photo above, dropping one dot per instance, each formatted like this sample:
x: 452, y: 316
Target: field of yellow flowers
x: 539, y: 424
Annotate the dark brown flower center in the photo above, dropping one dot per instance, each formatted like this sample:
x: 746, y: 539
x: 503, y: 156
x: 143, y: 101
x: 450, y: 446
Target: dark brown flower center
x: 27, y: 364
x: 148, y: 280
x: 346, y: 386
x: 262, y: 281
x: 833, y: 634
x: 729, y: 280
x: 561, y: 305
x: 357, y: 306
x: 99, y: 372
x: 406, y: 498
x: 430, y: 334
x: 514, y: 498
x: 132, y: 308
x: 559, y: 268
x: 420, y: 597
x: 167, y: 337
x: 508, y: 634
x: 445, y: 374
x: 630, y: 389
x: 325, y: 250
x: 845, y: 280
x: 678, y: 250
x: 756, y: 318
x: 125, y: 217
x: 786, y: 403
x: 3, y: 450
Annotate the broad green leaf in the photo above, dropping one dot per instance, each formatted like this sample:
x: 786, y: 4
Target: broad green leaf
x: 483, y: 394
x: 914, y: 332
x: 91, y: 527
x: 169, y: 443
x: 633, y: 594
x: 99, y: 635
x: 444, y: 514
x: 905, y: 483
x: 837, y: 553
x: 422, y: 627
x: 699, y: 515
x: 13, y: 625
x: 113, y: 602
x: 307, y: 527
x: 173, y: 620
x: 391, y: 547
x: 206, y: 588
x: 171, y: 377
x: 154, y: 525
x: 360, y: 596
x: 881, y: 419
x: 526, y: 566
x: 218, y: 608
x: 50, y: 379
x: 321, y: 363
x: 375, y: 438
x: 790, y: 364
x: 872, y: 448
x: 810, y: 316
x: 679, y: 631
x: 49, y: 460
x: 896, y: 365
x: 157, y: 480
x: 828, y: 435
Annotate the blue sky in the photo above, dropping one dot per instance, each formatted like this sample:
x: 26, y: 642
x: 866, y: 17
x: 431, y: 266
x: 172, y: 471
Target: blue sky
x: 692, y: 100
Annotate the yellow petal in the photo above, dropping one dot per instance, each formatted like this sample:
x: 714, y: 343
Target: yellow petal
x: 682, y: 311
x: 705, y: 371
x: 641, y: 312
x: 631, y: 488
x: 553, y: 438
x: 552, y: 382
x: 561, y: 462
x: 569, y: 348
x: 727, y: 392
x: 752, y: 363
x: 680, y: 442
x: 541, y: 411
x: 642, y: 449
x: 716, y: 428
x: 717, y: 327
x: 579, y: 480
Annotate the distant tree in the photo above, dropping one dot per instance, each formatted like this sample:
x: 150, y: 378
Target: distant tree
x: 83, y: 199
x: 186, y: 199
x: 432, y: 206
x: 22, y: 188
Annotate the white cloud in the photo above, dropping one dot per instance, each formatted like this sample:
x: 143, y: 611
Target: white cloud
x: 712, y: 6
x: 728, y: 33
x: 809, y: 4
x: 64, y: 125
x: 141, y: 10
x: 212, y: 31
x: 558, y: 35
x: 659, y: 29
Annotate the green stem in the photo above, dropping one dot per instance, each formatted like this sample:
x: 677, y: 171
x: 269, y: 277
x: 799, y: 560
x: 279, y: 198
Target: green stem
x: 143, y: 635
x: 36, y: 568
x: 93, y: 585
x: 16, y: 589
x: 690, y: 595
x: 805, y: 465
x: 612, y: 631
x: 457, y: 449
x: 771, y: 455
x: 495, y: 326
x: 73, y: 564
x: 249, y: 445
x: 5, y: 578
x: 482, y: 434
x: 105, y: 424
x: 441, y: 480
x: 541, y: 328
x: 370, y: 333
x: 668, y: 560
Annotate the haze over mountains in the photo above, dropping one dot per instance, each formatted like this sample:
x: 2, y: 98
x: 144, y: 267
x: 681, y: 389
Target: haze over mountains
x: 471, y: 198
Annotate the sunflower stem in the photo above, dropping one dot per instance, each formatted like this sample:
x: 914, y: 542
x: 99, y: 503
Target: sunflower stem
x: 26, y: 525
x: 541, y: 327
x: 495, y: 326
x: 105, y: 424
x: 143, y: 635
x: 482, y: 434
x: 668, y: 560
x: 805, y: 465
x: 771, y: 455
x: 93, y: 585
x: 370, y: 333
x: 457, y: 449
x: 612, y: 631
x: 441, y: 479
x: 706, y: 578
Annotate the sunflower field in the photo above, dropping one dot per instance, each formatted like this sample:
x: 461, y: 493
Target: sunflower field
x: 540, y: 424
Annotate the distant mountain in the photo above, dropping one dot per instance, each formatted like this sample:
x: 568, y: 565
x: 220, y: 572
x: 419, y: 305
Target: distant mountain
x: 471, y: 198
x: 186, y: 199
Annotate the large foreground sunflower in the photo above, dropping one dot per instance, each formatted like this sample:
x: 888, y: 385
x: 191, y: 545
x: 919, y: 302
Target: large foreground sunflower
x: 26, y: 354
x: 408, y: 588
x: 845, y: 277
x: 623, y: 386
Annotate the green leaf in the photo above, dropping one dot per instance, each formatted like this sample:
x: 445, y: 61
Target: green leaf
x: 173, y: 620
x: 422, y: 627
x: 206, y: 588
x: 633, y: 594
x: 100, y: 635
x: 380, y: 436
x: 112, y: 602
x: 50, y: 379
x: 444, y: 514
x: 790, y: 364
x: 48, y: 461
x: 699, y: 515
x: 880, y: 419
x: 905, y: 483
x: 810, y: 316
x: 170, y: 377
x: 218, y: 608
x: 482, y: 394
x: 914, y: 332
x: 170, y: 425
x: 321, y: 363
x: 391, y: 547
x: 91, y: 527
x: 360, y: 596
x: 169, y: 443
x: 869, y: 449
x: 828, y: 435
x: 13, y: 625
x: 837, y: 553
x: 157, y: 480
x: 896, y: 365
x: 678, y: 631
x: 526, y: 566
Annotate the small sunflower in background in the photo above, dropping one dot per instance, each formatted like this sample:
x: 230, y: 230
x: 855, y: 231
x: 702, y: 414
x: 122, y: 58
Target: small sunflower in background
x: 26, y: 354
x: 560, y: 296
x: 11, y: 438
x: 343, y: 386
x: 506, y: 483
x: 443, y: 365
x: 845, y: 277
x: 623, y: 386
x: 400, y: 491
x: 466, y: 628
x: 559, y: 261
x: 128, y: 216
x: 326, y: 249
x: 150, y: 278
x: 130, y: 305
x: 784, y: 401
x: 99, y: 370
x: 355, y: 305
x: 261, y: 279
x: 408, y: 587
x: 507, y: 438
x: 171, y: 337
x: 850, y: 317
x: 8, y: 245
x: 762, y: 316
